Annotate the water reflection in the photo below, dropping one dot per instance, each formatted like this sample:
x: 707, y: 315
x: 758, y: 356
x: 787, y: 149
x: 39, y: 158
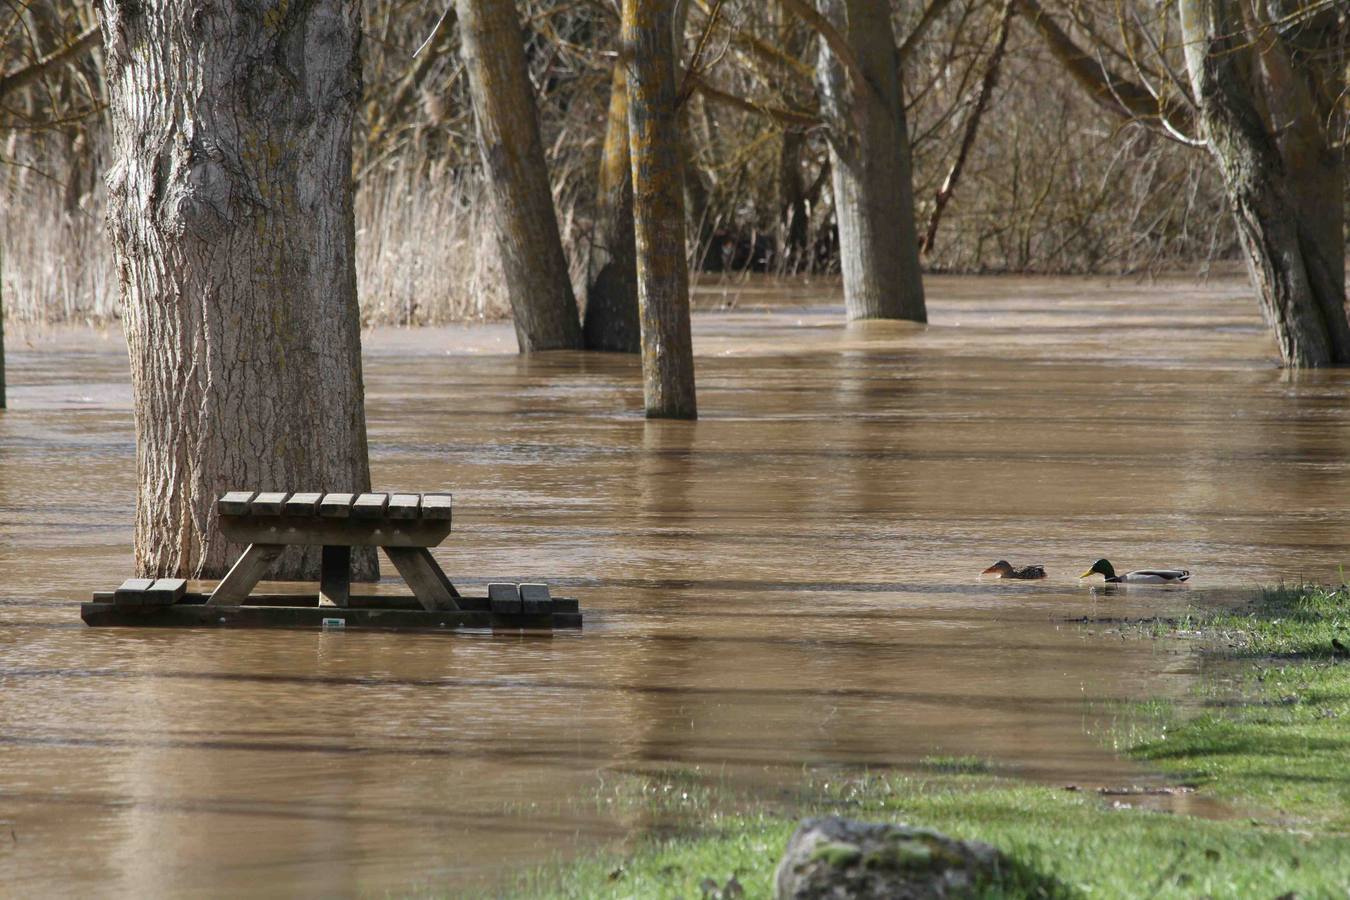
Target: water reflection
x: 789, y: 582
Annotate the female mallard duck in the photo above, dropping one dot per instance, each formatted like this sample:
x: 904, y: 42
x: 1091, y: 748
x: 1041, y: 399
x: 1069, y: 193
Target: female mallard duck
x: 1005, y: 569
x: 1139, y: 576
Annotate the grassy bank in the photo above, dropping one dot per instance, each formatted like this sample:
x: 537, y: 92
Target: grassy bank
x: 1273, y: 739
x: 1274, y: 734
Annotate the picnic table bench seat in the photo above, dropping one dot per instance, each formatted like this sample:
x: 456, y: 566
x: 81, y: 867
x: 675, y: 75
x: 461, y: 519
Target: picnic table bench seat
x: 404, y: 525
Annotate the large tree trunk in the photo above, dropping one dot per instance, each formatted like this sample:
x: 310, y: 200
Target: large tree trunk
x: 537, y: 280
x: 870, y: 159
x: 230, y: 208
x: 1283, y: 178
x: 611, y: 296
x: 658, y: 211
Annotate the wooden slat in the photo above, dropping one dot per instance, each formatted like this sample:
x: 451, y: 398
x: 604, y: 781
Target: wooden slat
x: 335, y: 576
x: 336, y: 506
x: 269, y: 503
x: 535, y: 599
x: 429, y: 589
x: 404, y: 506
x: 436, y: 506
x: 235, y: 503
x: 303, y: 504
x: 370, y: 506
x: 245, y: 574
x: 132, y: 591
x: 381, y: 532
x: 356, y: 601
x: 182, y: 615
x: 435, y: 568
x: 504, y: 598
x: 165, y: 591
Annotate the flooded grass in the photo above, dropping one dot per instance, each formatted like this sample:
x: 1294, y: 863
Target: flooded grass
x: 1067, y: 845
x: 1271, y: 739
x: 1273, y: 733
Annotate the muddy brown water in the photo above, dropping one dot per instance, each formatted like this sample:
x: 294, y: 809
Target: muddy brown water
x: 788, y: 585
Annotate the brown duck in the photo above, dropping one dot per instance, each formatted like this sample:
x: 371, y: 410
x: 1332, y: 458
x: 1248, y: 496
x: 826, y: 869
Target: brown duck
x: 1005, y: 569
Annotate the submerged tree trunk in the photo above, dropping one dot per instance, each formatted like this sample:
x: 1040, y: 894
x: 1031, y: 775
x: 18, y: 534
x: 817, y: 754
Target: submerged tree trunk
x: 537, y: 279
x: 870, y: 157
x: 611, y: 298
x: 1284, y: 178
x: 658, y: 210
x: 230, y: 209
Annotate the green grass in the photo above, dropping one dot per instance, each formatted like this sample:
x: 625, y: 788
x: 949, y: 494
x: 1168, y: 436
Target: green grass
x: 1274, y: 734
x: 1272, y: 738
x: 1069, y: 845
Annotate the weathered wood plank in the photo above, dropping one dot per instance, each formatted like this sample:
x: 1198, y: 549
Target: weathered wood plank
x: 132, y: 591
x: 235, y: 503
x: 404, y: 506
x: 439, y: 572
x: 437, y: 506
x: 269, y: 503
x: 336, y: 506
x: 370, y: 506
x: 182, y: 615
x: 335, y: 575
x: 245, y: 574
x: 535, y: 600
x: 382, y: 532
x: 504, y: 598
x: 165, y: 591
x: 429, y: 589
x: 356, y: 601
x: 303, y: 504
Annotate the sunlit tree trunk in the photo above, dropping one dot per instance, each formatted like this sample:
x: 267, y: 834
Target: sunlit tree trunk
x: 658, y: 210
x: 611, y: 298
x: 1282, y: 170
x: 871, y: 169
x: 230, y: 210
x: 538, y: 283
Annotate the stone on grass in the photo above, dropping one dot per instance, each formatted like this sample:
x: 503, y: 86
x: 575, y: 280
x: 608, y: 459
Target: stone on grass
x: 833, y: 858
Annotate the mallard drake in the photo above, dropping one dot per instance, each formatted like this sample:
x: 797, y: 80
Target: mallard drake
x: 1138, y: 576
x: 1005, y: 569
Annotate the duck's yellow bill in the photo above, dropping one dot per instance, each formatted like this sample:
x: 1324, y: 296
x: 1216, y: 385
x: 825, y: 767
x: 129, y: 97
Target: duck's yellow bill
x: 1088, y: 573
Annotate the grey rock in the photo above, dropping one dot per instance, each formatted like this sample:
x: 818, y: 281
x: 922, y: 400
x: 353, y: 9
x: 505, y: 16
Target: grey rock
x: 834, y: 858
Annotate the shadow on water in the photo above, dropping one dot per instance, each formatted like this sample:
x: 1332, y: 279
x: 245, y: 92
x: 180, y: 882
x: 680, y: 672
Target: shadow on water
x: 788, y: 584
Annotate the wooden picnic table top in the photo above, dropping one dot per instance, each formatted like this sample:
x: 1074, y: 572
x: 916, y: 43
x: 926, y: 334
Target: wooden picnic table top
x: 336, y: 519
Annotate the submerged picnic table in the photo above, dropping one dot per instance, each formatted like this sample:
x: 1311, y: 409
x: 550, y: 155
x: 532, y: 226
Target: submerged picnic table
x: 404, y: 525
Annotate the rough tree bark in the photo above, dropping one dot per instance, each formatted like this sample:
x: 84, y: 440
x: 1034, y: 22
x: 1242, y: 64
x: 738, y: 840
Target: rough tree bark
x: 538, y: 283
x: 611, y: 321
x: 658, y: 210
x: 861, y: 99
x: 230, y: 209
x: 1282, y: 171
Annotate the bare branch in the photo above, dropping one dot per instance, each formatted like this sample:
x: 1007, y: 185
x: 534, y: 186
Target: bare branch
x: 37, y: 69
x: 790, y: 117
x: 930, y: 15
x: 1108, y: 90
x: 838, y: 44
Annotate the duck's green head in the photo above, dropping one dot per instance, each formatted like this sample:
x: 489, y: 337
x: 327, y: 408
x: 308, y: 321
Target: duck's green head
x: 1100, y: 567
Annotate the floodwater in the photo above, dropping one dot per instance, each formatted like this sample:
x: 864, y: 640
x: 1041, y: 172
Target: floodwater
x: 788, y: 585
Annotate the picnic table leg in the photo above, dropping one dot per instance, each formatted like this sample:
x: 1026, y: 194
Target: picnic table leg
x: 429, y: 584
x: 245, y: 574
x: 335, y: 576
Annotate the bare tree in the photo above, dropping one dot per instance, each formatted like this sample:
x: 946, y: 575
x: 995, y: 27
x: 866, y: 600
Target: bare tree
x: 230, y: 208
x: 611, y: 321
x: 862, y: 102
x: 1266, y: 94
x: 658, y: 210
x: 537, y: 279
x: 1268, y: 129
